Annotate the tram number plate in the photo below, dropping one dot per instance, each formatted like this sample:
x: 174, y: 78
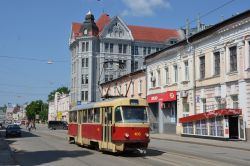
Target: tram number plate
x: 137, y: 134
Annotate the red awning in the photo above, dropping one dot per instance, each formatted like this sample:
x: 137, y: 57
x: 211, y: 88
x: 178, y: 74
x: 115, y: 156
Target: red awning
x: 210, y: 114
x: 162, y: 97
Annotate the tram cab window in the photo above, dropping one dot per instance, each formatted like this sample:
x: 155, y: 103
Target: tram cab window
x: 97, y: 115
x: 134, y: 114
x: 118, y: 116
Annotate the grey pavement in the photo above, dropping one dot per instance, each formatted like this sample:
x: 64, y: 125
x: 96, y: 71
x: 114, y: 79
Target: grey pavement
x: 241, y: 145
x: 6, y: 157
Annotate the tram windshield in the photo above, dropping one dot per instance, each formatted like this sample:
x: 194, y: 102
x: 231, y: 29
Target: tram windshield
x: 134, y: 114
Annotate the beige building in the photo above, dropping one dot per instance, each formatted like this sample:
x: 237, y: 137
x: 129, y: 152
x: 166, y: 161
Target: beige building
x: 130, y: 85
x: 209, y: 73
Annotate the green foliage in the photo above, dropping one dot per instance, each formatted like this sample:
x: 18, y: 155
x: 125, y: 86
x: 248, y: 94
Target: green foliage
x: 61, y: 90
x: 43, y: 115
x: 35, y: 108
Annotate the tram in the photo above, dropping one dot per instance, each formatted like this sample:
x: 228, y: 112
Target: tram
x: 114, y: 125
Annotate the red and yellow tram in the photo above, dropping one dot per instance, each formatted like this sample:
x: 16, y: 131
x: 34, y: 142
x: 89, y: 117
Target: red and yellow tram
x: 114, y: 125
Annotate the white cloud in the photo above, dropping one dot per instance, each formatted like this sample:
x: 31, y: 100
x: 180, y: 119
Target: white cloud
x: 144, y: 7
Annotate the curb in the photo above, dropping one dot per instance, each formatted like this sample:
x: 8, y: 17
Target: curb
x: 202, y: 143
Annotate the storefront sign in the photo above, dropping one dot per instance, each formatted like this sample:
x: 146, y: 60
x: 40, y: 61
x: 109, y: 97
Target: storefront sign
x: 162, y: 97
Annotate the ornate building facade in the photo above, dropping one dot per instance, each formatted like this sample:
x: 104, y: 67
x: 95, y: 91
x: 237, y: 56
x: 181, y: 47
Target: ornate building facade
x: 107, y: 49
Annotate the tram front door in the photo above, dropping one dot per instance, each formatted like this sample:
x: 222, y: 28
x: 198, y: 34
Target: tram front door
x: 107, y: 128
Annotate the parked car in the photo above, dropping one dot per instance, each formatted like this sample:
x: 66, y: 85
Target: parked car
x: 17, y: 123
x: 13, y: 130
x: 53, y: 125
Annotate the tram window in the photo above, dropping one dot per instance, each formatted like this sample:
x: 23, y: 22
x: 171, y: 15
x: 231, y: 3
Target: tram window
x: 79, y: 117
x: 97, y: 115
x: 118, y: 117
x: 84, y: 116
x: 74, y: 116
x: 90, y: 115
x: 70, y: 117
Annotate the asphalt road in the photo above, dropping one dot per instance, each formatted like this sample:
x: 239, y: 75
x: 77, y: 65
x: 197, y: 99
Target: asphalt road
x: 50, y: 147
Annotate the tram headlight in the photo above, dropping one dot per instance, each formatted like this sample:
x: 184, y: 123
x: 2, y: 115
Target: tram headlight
x: 146, y: 135
x: 126, y: 135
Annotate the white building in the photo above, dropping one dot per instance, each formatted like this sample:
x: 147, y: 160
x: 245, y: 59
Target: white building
x: 58, y: 109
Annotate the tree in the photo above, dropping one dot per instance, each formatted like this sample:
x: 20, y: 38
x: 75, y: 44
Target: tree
x: 43, y: 115
x: 61, y: 90
x: 35, y: 108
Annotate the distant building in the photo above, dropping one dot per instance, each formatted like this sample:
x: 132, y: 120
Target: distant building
x: 129, y: 85
x: 58, y: 109
x: 109, y: 48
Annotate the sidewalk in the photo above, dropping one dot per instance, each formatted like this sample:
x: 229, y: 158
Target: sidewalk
x: 241, y: 145
x: 5, y: 152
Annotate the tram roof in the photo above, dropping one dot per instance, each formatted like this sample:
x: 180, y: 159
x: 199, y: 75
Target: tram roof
x: 105, y: 102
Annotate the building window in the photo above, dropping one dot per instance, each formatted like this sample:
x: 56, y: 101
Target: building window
x: 136, y: 50
x: 186, y: 71
x: 136, y: 65
x: 235, y: 101
x: 132, y: 50
x: 217, y: 63
x: 83, y: 46
x: 202, y: 67
x: 132, y: 89
x: 110, y: 77
x: 203, y: 102
x: 87, y: 62
x: 120, y: 48
x: 83, y: 62
x: 167, y: 75
x: 106, y: 47
x: 175, y: 74
x: 159, y: 77
x: 140, y: 86
x: 152, y: 79
x: 185, y: 105
x: 144, y: 50
x: 204, y: 127
x: 149, y: 50
x: 84, y: 95
x: 233, y: 59
x: 157, y: 49
x: 111, y: 46
x: 125, y: 48
x: 106, y: 78
x: 87, y: 46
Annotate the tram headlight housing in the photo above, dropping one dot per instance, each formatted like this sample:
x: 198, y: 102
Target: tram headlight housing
x: 146, y: 135
x: 126, y: 135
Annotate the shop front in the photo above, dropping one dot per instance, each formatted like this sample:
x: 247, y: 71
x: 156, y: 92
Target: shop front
x: 163, y: 112
x: 220, y: 124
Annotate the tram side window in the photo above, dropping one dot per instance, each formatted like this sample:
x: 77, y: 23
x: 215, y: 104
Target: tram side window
x: 72, y: 117
x: 97, y: 115
x: 90, y: 115
x: 118, y: 117
x: 108, y: 114
x: 84, y: 116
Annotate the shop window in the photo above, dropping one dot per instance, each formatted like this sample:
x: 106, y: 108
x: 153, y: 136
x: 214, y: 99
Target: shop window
x: 188, y: 128
x: 219, y: 126
x: 198, y: 128
x: 203, y: 127
x: 212, y: 127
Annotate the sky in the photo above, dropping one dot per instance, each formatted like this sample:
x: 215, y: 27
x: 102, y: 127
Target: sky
x: 33, y: 32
